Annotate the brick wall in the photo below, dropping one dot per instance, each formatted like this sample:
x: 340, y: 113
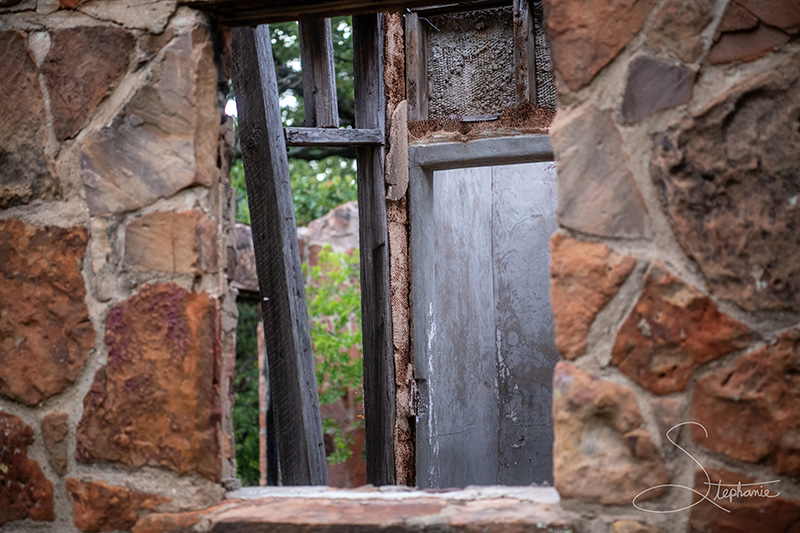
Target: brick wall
x: 675, y: 285
x: 116, y: 320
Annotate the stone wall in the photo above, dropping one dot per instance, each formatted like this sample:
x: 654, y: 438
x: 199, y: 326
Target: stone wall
x: 675, y: 285
x: 116, y: 320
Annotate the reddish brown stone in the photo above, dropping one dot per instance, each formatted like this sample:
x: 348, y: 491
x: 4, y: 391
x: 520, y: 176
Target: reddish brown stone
x: 746, y: 45
x: 678, y: 27
x: 164, y: 139
x: 750, y: 410
x: 673, y: 329
x: 784, y: 14
x: 602, y: 453
x: 585, y: 35
x: 413, y: 513
x: 751, y: 28
x: 98, y: 506
x: 82, y: 65
x: 653, y: 85
x: 747, y: 514
x: 54, y: 431
x: 727, y: 177
x: 172, y: 242
x: 583, y: 279
x: 737, y: 18
x: 178, y: 522
x: 24, y: 491
x: 69, y: 4
x: 596, y: 191
x: 156, y: 402
x: 25, y: 172
x: 45, y: 332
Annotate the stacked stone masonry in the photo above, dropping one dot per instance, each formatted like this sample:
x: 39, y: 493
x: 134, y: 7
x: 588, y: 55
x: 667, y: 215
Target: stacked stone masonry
x: 674, y: 270
x: 675, y: 285
x: 116, y: 316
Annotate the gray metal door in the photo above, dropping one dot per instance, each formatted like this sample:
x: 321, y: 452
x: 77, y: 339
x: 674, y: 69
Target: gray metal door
x: 485, y: 392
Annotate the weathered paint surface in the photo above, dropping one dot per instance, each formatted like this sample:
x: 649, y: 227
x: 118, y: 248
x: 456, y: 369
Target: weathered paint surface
x: 488, y: 348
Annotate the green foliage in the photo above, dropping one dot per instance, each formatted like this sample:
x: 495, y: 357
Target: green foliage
x: 333, y: 296
x: 286, y: 55
x: 245, y: 395
x: 317, y: 187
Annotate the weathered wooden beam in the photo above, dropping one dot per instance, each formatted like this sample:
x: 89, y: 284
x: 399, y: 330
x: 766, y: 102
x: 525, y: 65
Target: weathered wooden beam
x: 252, y: 12
x: 319, y: 76
x: 416, y: 69
x: 524, y: 53
x: 301, y: 449
x: 376, y: 317
x: 333, y: 137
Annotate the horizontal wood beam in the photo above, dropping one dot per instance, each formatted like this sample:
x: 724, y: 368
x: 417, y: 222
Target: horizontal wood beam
x: 253, y: 12
x: 332, y: 137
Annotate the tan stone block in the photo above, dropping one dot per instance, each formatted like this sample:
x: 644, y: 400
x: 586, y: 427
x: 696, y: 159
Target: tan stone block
x: 584, y: 278
x: 172, y: 242
x: 678, y: 28
x: 597, y: 194
x: 601, y: 453
x: 164, y: 139
x: 54, y: 431
x: 672, y: 330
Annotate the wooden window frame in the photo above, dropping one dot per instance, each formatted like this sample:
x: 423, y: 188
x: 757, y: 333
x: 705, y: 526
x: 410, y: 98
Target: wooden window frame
x: 424, y: 159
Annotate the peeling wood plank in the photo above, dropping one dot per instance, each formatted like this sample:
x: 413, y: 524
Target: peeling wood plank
x: 333, y: 137
x: 280, y: 278
x: 416, y: 69
x: 319, y: 76
x: 379, y: 386
x: 524, y: 56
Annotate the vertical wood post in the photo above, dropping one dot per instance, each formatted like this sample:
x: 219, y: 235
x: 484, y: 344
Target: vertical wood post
x: 301, y: 449
x: 379, y: 390
x: 524, y: 53
x: 319, y: 76
x: 416, y: 69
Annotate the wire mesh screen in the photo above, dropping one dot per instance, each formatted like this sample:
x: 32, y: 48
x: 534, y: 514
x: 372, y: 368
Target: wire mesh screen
x: 546, y: 95
x: 470, y: 63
